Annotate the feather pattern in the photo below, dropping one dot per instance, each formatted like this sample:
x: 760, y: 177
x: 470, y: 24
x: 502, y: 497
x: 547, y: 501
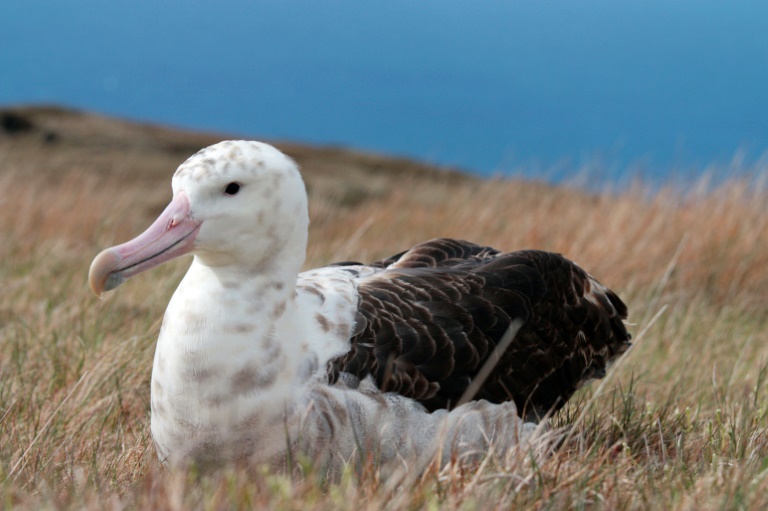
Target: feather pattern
x: 429, y: 319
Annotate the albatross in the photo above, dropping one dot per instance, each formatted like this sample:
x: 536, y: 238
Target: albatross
x: 446, y: 349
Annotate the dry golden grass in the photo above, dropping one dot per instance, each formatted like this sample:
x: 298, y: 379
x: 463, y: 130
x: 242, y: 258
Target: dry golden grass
x: 681, y: 423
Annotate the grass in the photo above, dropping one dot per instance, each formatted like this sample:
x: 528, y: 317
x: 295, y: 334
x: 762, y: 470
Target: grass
x: 679, y: 424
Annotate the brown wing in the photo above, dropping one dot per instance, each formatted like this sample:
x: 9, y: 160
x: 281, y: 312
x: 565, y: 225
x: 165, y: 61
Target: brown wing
x: 426, y: 325
x: 439, y: 252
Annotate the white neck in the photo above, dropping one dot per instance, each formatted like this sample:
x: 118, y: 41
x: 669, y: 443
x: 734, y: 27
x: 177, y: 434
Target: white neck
x: 227, y: 356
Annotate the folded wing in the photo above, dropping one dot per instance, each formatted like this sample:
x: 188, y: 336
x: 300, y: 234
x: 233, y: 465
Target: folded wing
x: 429, y: 320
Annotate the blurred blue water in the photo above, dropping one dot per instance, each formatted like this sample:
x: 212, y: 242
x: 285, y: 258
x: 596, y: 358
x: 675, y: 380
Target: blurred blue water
x: 537, y: 87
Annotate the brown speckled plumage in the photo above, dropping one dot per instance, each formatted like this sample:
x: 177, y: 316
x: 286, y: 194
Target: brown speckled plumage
x: 428, y: 322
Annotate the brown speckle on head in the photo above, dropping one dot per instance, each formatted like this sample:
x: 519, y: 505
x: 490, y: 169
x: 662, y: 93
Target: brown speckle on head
x: 186, y: 167
x: 202, y: 172
x: 196, y: 172
x: 325, y: 323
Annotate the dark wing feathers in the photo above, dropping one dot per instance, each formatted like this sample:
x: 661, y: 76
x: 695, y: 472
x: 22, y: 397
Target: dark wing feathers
x: 436, y: 253
x: 427, y: 323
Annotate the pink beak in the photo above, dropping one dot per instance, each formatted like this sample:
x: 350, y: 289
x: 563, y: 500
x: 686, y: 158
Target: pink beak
x: 171, y: 235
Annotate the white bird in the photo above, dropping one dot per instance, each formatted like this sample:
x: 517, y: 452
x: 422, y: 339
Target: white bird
x: 404, y: 357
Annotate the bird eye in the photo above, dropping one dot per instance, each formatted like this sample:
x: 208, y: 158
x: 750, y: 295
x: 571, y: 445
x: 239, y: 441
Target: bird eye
x: 232, y: 189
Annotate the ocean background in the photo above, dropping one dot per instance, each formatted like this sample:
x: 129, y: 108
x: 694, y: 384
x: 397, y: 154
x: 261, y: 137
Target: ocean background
x: 548, y: 90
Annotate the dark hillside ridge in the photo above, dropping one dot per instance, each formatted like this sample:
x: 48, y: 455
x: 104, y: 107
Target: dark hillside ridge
x: 40, y: 131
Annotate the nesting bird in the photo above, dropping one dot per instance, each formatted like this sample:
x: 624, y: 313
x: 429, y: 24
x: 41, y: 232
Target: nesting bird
x: 446, y: 348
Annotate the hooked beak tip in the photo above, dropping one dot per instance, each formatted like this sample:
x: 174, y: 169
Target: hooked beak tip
x: 100, y: 276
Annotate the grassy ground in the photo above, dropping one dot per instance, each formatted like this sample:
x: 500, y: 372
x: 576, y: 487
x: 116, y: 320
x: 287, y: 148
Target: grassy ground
x: 681, y: 422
